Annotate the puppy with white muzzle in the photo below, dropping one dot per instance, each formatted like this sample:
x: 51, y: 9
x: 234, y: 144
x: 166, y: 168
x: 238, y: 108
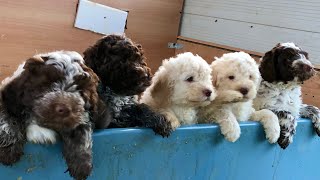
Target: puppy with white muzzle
x: 236, y: 78
x: 179, y: 87
x: 283, y: 69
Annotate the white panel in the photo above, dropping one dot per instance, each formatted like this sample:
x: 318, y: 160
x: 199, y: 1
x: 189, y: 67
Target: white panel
x: 294, y: 14
x: 99, y: 18
x: 244, y: 35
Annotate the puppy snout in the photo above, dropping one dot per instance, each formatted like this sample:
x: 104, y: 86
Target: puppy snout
x: 306, y: 67
x: 62, y: 109
x: 244, y: 91
x: 207, y: 92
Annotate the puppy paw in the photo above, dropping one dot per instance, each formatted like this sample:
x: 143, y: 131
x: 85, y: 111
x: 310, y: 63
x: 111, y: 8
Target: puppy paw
x: 11, y: 154
x: 80, y: 170
x: 41, y: 135
x: 273, y: 135
x: 288, y: 126
x: 232, y: 136
x: 232, y: 132
x: 316, y: 127
x: 286, y: 137
x: 316, y: 123
x: 163, y: 128
x: 175, y: 125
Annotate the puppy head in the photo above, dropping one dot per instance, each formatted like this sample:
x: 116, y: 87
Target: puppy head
x: 183, y: 80
x: 120, y: 64
x: 236, y: 77
x: 55, y: 65
x: 286, y: 62
x: 60, y: 110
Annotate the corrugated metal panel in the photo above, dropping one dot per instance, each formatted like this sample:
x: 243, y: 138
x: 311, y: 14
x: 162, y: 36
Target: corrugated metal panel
x: 301, y: 15
x: 191, y: 152
x: 244, y: 35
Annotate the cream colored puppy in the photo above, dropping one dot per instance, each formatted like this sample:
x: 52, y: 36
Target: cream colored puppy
x: 179, y: 87
x: 236, y: 78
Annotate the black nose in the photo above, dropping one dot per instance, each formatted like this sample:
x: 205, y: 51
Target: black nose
x: 244, y: 91
x: 207, y: 92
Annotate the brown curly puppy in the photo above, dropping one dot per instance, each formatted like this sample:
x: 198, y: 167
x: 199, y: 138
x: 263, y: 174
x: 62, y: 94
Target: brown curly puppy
x: 120, y: 65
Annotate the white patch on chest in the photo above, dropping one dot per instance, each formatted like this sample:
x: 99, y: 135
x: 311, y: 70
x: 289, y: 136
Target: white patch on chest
x: 186, y: 115
x: 40, y: 135
x: 279, y: 97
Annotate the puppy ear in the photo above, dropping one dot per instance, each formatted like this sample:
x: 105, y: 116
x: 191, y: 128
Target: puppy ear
x: 33, y: 63
x: 214, y: 74
x: 268, y: 66
x: 161, y: 90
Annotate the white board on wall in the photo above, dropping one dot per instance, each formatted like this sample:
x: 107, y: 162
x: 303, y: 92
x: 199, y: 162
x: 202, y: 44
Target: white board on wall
x: 100, y: 18
x: 204, y: 20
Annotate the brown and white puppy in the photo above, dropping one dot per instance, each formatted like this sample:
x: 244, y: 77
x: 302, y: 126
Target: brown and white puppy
x: 179, y: 87
x: 51, y: 94
x: 283, y: 69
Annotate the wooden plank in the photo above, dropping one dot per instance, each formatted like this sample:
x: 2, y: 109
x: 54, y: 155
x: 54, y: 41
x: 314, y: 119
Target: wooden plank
x: 196, y: 41
x: 300, y: 15
x: 310, y: 89
x: 259, y: 38
x: 34, y: 26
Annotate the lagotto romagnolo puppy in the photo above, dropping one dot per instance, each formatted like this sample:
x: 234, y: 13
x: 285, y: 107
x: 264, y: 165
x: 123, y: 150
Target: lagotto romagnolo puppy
x: 283, y: 69
x: 121, y: 66
x: 179, y: 87
x: 236, y: 78
x: 49, y: 95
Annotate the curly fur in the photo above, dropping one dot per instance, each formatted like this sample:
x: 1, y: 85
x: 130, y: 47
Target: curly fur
x: 121, y: 67
x: 236, y: 78
x: 283, y: 69
x: 53, y: 94
x: 120, y: 64
x: 179, y: 87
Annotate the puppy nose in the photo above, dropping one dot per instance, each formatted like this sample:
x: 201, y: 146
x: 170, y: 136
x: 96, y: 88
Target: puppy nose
x: 244, y: 91
x: 62, y: 109
x: 207, y: 92
x: 306, y: 67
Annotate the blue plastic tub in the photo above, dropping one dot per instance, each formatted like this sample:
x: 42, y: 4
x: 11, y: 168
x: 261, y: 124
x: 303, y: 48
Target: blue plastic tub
x: 191, y: 152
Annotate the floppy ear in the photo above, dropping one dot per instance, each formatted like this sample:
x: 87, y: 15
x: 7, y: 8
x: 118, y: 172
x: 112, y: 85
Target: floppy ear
x: 33, y: 63
x: 214, y: 74
x: 161, y: 90
x: 268, y: 66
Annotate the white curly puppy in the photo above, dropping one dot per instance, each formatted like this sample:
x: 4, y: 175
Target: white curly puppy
x: 236, y: 78
x: 179, y: 87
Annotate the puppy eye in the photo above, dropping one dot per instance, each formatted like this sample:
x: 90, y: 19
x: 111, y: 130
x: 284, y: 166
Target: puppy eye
x: 250, y: 77
x: 231, y: 77
x: 190, y: 79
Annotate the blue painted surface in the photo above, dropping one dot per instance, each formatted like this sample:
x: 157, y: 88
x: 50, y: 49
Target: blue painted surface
x: 192, y: 152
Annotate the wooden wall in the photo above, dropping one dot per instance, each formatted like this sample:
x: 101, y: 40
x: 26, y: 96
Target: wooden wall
x: 254, y: 25
x: 36, y: 26
x: 310, y: 89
